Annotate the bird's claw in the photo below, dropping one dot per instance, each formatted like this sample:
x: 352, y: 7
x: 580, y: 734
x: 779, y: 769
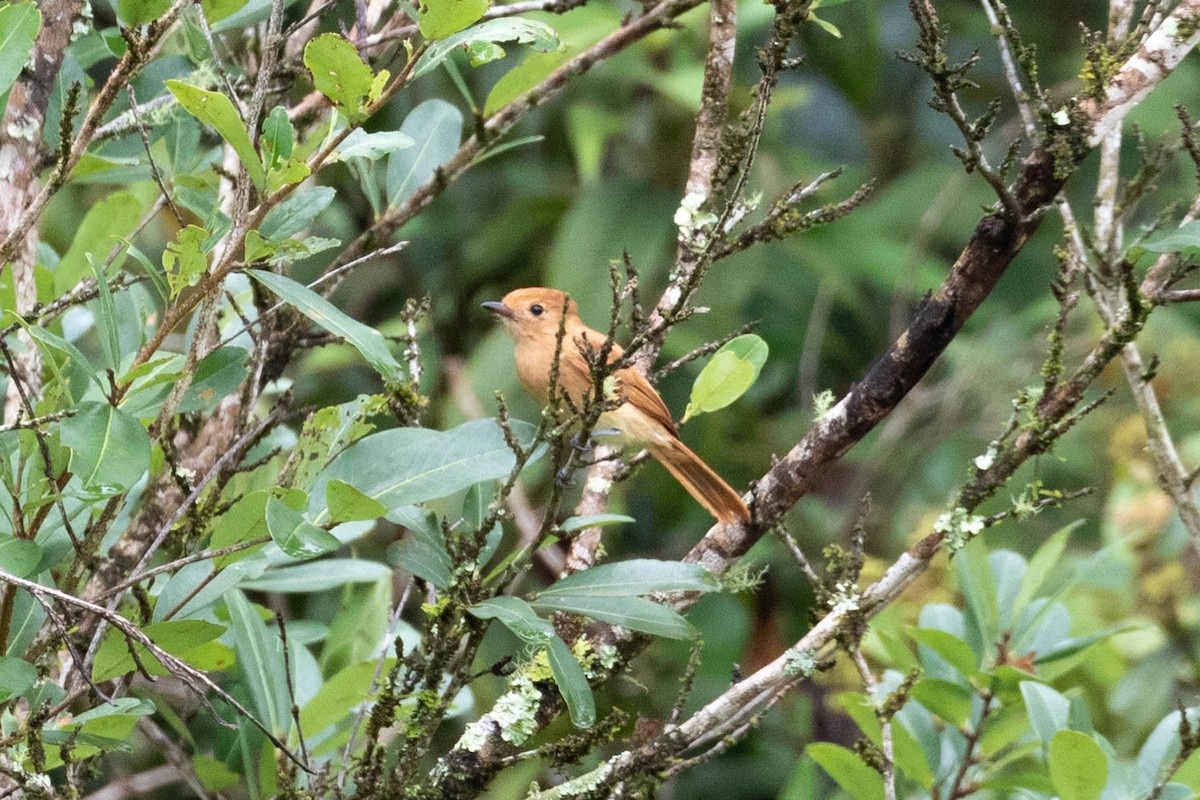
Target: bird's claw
x: 564, y: 477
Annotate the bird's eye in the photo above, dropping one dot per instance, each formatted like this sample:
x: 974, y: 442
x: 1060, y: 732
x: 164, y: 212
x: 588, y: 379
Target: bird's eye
x: 536, y: 309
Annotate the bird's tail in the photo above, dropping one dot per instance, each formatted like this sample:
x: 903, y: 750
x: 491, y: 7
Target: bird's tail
x: 710, y: 491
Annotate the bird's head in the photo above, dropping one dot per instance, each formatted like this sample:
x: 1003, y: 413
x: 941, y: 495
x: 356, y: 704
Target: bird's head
x: 533, y: 312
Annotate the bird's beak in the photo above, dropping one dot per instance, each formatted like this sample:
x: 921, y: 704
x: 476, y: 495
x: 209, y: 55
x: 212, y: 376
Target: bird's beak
x: 497, y: 307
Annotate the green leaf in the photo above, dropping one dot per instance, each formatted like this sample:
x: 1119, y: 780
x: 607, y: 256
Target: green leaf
x: 20, y: 557
x: 218, y: 112
x: 529, y: 73
x: 108, y: 446
x: 957, y: 652
x: 277, y: 138
x: 1078, y: 766
x: 329, y: 431
x: 435, y: 127
x: 177, y: 637
x: 338, y: 696
x: 19, y: 26
x: 245, y: 520
x: 372, y: 146
x: 729, y: 373
x: 217, y: 10
x: 214, y: 775
x: 634, y: 613
x: 847, y: 770
x: 437, y: 19
x: 422, y: 552
x: 571, y: 524
x: 634, y: 577
x: 572, y: 683
x: 947, y: 700
x: 296, y: 213
x: 296, y: 536
x: 368, y: 341
x: 104, y: 312
x: 516, y: 615
x: 360, y: 624
x: 1042, y: 565
x: 347, y: 504
x: 339, y: 73
x: 106, y: 223
x: 1185, y: 237
x: 506, y: 29
x: 184, y: 260
x: 1048, y: 710
x: 260, y: 658
x: 828, y: 27
x: 16, y: 676
x: 318, y: 576
x: 404, y: 466
x: 139, y: 12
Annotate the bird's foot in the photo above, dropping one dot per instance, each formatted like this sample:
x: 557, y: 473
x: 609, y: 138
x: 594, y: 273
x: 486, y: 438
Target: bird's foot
x: 564, y: 477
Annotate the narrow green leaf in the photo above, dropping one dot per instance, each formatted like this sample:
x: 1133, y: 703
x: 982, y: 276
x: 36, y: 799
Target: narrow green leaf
x: 1185, y: 237
x: 260, y: 658
x: 572, y: 683
x: 19, y: 26
x: 634, y: 577
x: 847, y: 770
x: 729, y: 373
x: 347, y: 504
x: 535, y: 68
x: 435, y: 127
x: 368, y: 341
x: 109, y: 448
x: 318, y: 576
x: 296, y: 536
x: 105, y: 315
x: 572, y: 524
x: 372, y: 146
x: 1078, y: 766
x: 339, y: 73
x: 516, y: 615
x: 218, y: 112
x: 481, y: 41
x: 437, y: 19
x: 634, y: 613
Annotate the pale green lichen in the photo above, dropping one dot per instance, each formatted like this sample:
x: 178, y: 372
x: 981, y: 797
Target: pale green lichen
x: 799, y: 664
x: 514, y: 716
x: 822, y: 403
x: 958, y: 527
x: 845, y: 598
x: 694, y: 224
x: 984, y: 462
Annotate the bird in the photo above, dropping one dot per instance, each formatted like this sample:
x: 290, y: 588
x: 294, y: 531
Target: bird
x: 533, y: 316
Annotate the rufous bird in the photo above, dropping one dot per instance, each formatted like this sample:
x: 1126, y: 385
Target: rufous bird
x: 642, y: 419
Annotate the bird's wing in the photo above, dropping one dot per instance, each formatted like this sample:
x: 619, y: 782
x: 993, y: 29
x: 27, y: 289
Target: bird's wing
x: 632, y: 386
